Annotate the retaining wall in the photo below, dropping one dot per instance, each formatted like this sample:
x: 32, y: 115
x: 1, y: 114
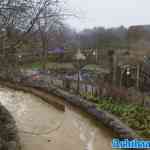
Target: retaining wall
x: 104, y: 117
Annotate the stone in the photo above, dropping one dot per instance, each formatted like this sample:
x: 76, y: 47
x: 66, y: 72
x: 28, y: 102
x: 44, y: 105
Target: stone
x: 147, y: 102
x: 12, y: 145
x: 9, y: 139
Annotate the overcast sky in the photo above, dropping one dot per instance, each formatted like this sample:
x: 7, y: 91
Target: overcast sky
x: 109, y: 13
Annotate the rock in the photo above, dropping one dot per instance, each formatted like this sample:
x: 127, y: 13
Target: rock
x: 12, y: 145
x: 9, y: 139
x: 1, y: 143
x: 10, y: 126
x: 135, y: 96
x: 147, y: 102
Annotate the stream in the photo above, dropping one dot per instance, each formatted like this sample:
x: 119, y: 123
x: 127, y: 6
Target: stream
x: 43, y: 127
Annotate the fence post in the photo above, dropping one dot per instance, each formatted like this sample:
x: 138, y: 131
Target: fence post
x: 138, y: 77
x: 114, y: 68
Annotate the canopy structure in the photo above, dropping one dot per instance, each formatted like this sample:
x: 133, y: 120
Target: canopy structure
x: 61, y: 66
x: 96, y: 69
x: 56, y: 50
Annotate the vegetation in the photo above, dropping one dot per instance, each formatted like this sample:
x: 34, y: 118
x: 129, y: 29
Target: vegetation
x: 104, y: 38
x: 25, y: 29
x: 135, y: 116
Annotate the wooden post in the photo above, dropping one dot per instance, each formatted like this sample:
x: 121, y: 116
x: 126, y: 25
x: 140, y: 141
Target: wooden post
x: 92, y: 90
x: 96, y: 56
x: 114, y: 68
x: 85, y: 88
x: 121, y: 76
x: 138, y: 77
x: 78, y: 82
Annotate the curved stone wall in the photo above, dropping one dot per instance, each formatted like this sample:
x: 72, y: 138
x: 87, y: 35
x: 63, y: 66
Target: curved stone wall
x: 104, y: 117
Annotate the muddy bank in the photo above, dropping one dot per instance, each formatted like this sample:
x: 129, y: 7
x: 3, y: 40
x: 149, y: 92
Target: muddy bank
x: 9, y: 139
x: 104, y: 117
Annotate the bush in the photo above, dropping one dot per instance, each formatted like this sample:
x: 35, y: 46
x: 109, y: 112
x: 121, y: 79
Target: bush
x: 134, y: 115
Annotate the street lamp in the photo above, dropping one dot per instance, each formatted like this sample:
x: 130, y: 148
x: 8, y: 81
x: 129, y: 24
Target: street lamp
x: 79, y: 58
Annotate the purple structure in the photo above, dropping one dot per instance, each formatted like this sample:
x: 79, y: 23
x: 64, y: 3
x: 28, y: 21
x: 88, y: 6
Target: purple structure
x: 56, y: 50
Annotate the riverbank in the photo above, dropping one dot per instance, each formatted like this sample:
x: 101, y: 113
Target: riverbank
x: 104, y: 117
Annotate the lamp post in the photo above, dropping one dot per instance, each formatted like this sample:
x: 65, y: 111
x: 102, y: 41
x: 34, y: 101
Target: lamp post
x: 79, y: 58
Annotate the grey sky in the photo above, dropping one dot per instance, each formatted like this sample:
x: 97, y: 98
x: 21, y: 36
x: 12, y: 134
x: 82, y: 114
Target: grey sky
x: 109, y: 13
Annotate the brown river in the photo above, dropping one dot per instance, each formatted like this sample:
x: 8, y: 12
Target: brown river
x: 43, y: 127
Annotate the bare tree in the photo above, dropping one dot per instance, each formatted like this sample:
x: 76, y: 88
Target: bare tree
x: 45, y: 27
x: 18, y: 18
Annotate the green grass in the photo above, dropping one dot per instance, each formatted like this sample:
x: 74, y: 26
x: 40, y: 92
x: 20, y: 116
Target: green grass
x: 50, y: 65
x: 54, y: 65
x: 36, y: 65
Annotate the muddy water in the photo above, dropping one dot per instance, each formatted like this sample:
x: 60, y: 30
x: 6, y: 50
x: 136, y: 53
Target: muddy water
x: 42, y: 127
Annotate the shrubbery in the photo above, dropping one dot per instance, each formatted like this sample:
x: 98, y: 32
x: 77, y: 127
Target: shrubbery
x: 134, y: 115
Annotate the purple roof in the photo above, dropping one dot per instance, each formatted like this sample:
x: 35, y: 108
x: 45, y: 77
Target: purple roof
x: 57, y: 50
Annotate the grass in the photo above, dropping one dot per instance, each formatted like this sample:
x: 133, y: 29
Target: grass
x: 135, y: 116
x: 50, y: 65
x: 34, y: 65
x: 53, y: 65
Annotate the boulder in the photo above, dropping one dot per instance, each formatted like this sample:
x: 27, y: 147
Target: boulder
x: 9, y: 139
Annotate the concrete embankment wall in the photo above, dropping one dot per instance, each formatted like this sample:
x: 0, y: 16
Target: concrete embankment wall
x: 62, y: 96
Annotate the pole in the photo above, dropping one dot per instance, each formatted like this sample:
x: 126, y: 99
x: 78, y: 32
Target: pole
x: 121, y: 76
x: 78, y: 82
x: 138, y: 77
x: 96, y: 56
x: 114, y: 68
